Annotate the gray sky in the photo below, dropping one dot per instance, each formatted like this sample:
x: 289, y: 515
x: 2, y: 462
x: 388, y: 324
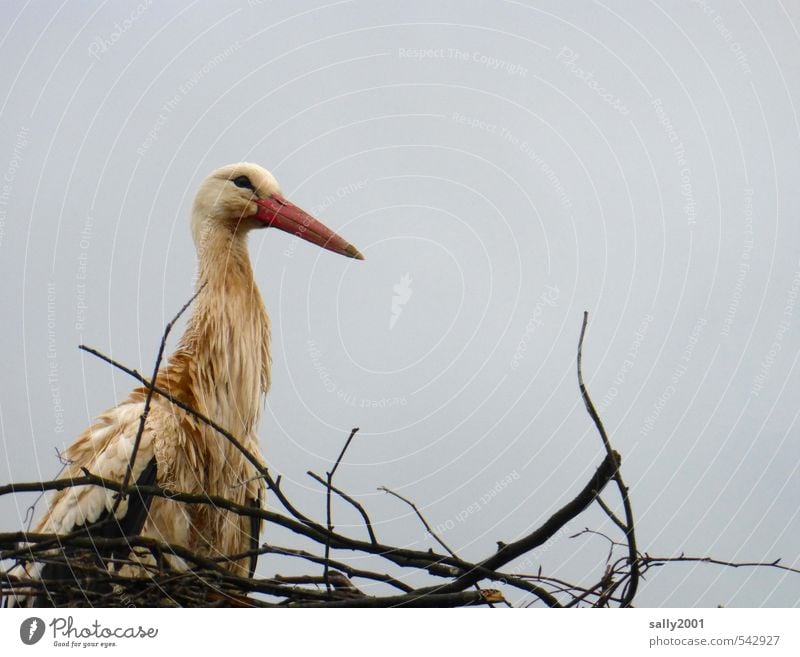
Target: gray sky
x: 503, y: 166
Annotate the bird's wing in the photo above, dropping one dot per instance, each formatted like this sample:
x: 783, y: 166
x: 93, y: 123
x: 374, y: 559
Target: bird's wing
x: 105, y: 450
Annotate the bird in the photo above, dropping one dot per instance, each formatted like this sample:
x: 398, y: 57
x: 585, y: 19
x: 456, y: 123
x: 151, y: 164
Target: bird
x: 221, y: 369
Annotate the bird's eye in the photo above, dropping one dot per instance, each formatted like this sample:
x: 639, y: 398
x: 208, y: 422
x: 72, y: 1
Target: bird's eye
x: 244, y: 182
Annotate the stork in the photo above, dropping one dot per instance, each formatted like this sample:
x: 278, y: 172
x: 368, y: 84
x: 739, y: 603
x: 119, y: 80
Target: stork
x: 221, y: 368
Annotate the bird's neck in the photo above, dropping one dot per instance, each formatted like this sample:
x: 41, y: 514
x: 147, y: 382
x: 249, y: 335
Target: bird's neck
x: 225, y: 349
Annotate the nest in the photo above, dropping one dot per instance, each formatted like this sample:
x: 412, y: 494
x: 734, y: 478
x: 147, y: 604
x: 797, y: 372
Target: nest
x: 87, y: 568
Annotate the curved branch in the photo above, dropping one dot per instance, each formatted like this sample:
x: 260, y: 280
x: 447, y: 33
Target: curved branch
x: 629, y: 529
x: 347, y: 498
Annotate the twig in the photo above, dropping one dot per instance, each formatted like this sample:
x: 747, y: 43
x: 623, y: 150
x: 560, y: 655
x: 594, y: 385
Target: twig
x: 611, y: 514
x: 650, y: 561
x: 149, y: 397
x: 339, y: 581
x: 611, y: 542
x: 347, y: 498
x: 426, y: 525
x: 353, y: 432
x: 460, y: 599
x: 346, y: 568
x: 430, y: 531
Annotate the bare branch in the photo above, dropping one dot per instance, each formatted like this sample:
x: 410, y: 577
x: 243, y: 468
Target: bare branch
x: 329, y: 487
x: 648, y: 561
x: 611, y: 514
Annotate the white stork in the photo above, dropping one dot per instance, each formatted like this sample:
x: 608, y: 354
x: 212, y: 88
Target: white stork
x: 221, y: 368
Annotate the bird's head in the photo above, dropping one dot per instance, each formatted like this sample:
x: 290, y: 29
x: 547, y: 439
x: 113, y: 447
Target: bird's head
x: 240, y: 197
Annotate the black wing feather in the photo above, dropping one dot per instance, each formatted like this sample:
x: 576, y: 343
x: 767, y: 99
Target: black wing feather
x: 255, y: 532
x: 106, y: 526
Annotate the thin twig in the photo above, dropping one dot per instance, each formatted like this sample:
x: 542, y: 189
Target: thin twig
x: 353, y: 432
x: 347, y: 498
x: 329, y: 487
x: 339, y: 581
x: 349, y: 570
x: 426, y: 525
x: 611, y: 542
x: 422, y: 519
x: 611, y: 514
x: 459, y: 599
x: 149, y: 397
x: 650, y: 561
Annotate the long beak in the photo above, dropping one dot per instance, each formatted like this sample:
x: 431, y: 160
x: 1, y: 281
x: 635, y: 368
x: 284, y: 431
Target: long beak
x: 278, y: 212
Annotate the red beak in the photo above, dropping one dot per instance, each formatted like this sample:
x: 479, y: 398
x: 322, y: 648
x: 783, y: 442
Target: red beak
x: 278, y: 212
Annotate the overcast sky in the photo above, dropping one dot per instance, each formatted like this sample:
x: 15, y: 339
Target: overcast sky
x: 503, y: 166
